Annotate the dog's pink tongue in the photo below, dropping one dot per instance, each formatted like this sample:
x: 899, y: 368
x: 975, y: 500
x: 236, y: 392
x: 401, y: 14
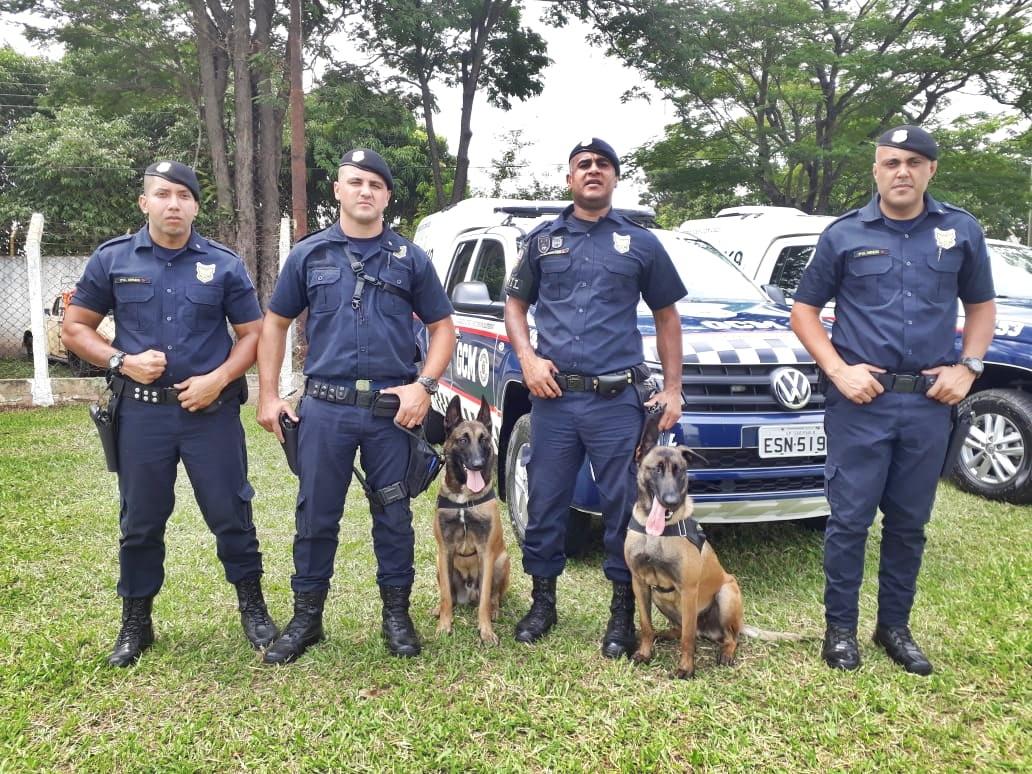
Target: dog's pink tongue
x: 656, y: 521
x: 474, y: 480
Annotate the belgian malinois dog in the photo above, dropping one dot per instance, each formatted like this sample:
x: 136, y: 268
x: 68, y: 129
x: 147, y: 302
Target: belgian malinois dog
x: 472, y: 563
x: 673, y: 565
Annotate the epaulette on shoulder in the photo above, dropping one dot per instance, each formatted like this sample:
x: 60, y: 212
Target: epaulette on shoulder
x: 311, y: 234
x: 116, y: 240
x: 222, y: 247
x: 955, y: 208
x: 843, y: 216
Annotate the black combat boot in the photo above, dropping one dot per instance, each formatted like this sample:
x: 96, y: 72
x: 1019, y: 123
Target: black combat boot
x: 303, y: 631
x: 542, y: 616
x: 619, y: 639
x: 398, y: 629
x: 137, y: 632
x: 259, y: 628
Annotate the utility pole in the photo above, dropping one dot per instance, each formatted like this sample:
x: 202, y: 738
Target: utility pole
x: 298, y: 177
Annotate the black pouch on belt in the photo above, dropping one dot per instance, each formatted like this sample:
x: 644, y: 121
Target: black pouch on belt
x: 289, y: 428
x: 108, y: 432
x: 424, y: 463
x: 961, y: 427
x: 611, y: 385
x: 385, y: 404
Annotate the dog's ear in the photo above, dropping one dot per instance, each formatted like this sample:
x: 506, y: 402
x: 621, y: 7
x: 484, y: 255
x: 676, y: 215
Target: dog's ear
x: 453, y: 415
x: 691, y: 456
x: 484, y: 415
x: 649, y: 436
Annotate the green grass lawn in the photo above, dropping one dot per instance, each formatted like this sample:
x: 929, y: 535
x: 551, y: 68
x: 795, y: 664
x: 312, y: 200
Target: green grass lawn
x: 199, y: 700
x: 21, y: 368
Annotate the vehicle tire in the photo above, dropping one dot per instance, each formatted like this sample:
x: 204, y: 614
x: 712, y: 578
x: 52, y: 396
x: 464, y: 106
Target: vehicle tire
x: 517, y: 493
x: 80, y: 367
x: 996, y: 459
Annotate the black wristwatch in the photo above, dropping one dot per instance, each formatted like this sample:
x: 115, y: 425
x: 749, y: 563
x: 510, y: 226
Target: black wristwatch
x: 973, y: 364
x: 114, y: 362
x: 429, y: 384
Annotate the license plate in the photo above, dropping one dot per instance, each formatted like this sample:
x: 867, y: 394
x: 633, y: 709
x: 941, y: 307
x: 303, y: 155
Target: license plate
x: 792, y: 441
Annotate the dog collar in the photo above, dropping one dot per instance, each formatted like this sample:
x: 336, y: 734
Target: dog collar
x: 444, y: 502
x: 688, y: 528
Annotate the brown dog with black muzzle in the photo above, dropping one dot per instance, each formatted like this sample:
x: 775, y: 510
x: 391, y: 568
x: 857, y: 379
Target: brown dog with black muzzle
x: 472, y: 563
x: 673, y: 565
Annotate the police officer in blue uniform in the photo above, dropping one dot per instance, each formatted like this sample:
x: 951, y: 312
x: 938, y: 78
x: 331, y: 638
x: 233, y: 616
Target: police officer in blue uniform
x: 586, y: 271
x: 361, y: 284
x: 895, y: 268
x: 179, y: 378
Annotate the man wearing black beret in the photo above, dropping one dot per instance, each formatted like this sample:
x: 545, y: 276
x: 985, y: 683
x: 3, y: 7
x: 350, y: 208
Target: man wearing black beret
x: 360, y: 283
x: 586, y: 271
x: 895, y: 268
x: 177, y: 380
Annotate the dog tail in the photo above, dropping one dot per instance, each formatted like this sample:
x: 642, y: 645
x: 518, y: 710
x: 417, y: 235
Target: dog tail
x: 765, y: 636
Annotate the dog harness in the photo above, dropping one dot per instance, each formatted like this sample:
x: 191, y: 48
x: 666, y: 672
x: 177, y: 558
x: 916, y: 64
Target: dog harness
x: 688, y: 528
x: 444, y: 502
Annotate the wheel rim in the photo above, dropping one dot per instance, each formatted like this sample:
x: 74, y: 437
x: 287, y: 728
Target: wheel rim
x: 521, y: 490
x: 994, y: 451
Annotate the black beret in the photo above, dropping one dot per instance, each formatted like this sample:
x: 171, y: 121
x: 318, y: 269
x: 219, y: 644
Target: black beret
x: 911, y: 138
x: 370, y: 161
x: 175, y: 172
x: 600, y: 147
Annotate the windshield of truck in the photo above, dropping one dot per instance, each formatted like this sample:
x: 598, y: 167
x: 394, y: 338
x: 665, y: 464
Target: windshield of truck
x: 706, y: 272
x: 1012, y: 270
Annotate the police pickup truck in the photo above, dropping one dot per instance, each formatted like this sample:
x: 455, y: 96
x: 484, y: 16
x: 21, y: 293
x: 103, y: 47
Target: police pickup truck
x: 750, y: 407
x: 775, y: 244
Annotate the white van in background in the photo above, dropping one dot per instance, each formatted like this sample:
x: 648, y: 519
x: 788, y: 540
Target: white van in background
x: 772, y: 245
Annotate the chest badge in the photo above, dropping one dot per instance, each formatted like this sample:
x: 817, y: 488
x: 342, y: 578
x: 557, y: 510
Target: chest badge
x: 205, y: 271
x: 401, y: 252
x: 557, y: 241
x: 622, y: 243
x: 945, y: 238
x: 543, y: 244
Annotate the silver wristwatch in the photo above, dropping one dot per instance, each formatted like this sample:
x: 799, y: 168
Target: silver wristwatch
x: 429, y: 384
x: 973, y: 364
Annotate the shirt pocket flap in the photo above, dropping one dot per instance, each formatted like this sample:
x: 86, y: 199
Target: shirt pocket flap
x: 625, y: 266
x: 867, y: 265
x: 555, y: 264
x: 134, y: 293
x: 947, y: 261
x: 246, y: 492
x: 204, y: 294
x: 326, y: 276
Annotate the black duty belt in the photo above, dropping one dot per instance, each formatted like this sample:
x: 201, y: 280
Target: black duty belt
x: 158, y: 396
x: 609, y: 384
x: 349, y: 396
x: 919, y: 383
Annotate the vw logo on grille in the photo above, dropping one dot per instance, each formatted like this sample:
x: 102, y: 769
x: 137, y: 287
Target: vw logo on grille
x: 791, y: 387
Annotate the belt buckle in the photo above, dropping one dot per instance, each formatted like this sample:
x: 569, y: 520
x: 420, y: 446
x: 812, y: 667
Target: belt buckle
x: 364, y: 385
x: 905, y: 383
x: 574, y: 382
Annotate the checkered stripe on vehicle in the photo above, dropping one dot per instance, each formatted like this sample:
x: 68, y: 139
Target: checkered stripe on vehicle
x: 755, y: 349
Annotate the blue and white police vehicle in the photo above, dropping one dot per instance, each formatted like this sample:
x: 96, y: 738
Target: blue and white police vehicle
x: 775, y: 244
x: 751, y: 409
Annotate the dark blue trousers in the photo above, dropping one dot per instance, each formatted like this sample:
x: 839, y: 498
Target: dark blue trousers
x: 151, y: 442
x: 562, y: 430
x: 886, y: 454
x: 329, y: 436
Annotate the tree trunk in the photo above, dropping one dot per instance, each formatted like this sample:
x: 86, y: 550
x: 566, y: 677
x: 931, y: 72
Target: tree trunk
x: 431, y: 137
x: 298, y: 174
x: 270, y: 147
x: 243, y: 157
x: 213, y: 68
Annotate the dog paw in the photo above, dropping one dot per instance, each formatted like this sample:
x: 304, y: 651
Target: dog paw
x: 641, y: 658
x: 684, y: 674
x: 444, y: 627
x: 725, y: 659
x: 489, y: 637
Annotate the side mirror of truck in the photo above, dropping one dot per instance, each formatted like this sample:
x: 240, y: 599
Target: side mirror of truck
x: 775, y: 294
x: 475, y: 298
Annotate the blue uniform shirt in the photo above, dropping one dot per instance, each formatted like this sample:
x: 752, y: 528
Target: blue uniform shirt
x: 377, y: 341
x: 178, y: 306
x: 586, y: 279
x: 896, y: 285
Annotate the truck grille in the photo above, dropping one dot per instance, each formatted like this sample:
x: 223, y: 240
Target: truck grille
x: 756, y: 485
x: 725, y: 387
x: 729, y: 459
